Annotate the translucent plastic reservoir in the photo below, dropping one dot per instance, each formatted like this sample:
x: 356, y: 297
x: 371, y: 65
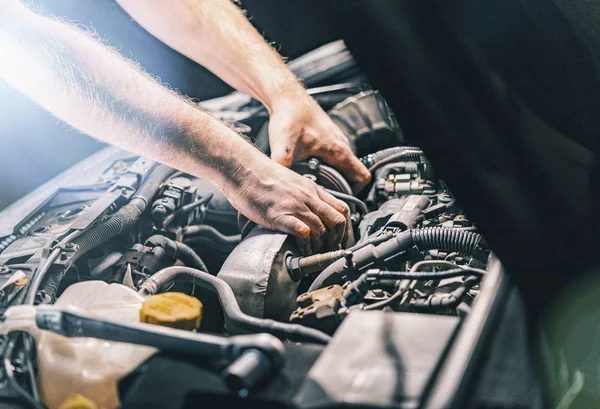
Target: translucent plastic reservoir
x: 89, y: 366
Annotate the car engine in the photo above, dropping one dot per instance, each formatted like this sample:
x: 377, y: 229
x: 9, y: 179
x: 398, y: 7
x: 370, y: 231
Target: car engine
x: 124, y: 278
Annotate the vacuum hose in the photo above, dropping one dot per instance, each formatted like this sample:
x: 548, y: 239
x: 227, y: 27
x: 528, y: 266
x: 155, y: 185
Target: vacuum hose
x: 178, y: 250
x: 234, y: 317
x: 212, y: 235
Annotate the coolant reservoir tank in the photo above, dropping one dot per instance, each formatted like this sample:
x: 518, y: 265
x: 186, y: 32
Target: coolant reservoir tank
x: 88, y: 366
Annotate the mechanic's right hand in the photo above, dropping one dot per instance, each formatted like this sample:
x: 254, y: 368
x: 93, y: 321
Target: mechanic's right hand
x: 279, y: 199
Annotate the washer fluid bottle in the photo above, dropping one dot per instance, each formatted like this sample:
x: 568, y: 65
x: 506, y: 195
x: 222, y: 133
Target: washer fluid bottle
x: 87, y: 366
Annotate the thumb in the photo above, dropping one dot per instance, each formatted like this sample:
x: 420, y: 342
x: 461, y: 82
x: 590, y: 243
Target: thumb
x: 283, y: 149
x: 283, y: 155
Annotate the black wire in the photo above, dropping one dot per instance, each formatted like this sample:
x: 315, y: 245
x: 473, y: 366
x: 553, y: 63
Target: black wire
x: 191, y: 206
x: 425, y: 275
x: 361, y: 206
x: 247, y: 229
x: 187, y: 208
x: 10, y: 375
x: 30, y: 371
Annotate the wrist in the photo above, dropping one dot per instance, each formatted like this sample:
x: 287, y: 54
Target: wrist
x: 284, y: 92
x: 214, y: 151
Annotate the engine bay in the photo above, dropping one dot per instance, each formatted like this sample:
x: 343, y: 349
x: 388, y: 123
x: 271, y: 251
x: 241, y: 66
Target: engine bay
x: 132, y: 275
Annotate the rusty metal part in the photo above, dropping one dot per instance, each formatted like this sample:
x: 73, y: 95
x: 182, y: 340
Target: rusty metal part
x: 319, y: 309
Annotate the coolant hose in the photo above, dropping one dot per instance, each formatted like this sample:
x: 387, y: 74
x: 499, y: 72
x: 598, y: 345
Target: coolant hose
x: 210, y: 233
x: 122, y: 221
x: 234, y: 316
x: 152, y: 183
x: 177, y: 250
x: 441, y: 238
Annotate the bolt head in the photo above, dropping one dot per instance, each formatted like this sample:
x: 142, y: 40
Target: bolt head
x: 313, y: 164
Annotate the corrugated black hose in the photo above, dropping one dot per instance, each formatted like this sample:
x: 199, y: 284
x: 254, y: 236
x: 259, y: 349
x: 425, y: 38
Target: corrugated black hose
x: 375, y: 157
x: 439, y: 238
x: 122, y: 221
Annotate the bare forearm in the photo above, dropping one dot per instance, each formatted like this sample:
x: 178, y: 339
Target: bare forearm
x: 217, y: 35
x: 98, y: 92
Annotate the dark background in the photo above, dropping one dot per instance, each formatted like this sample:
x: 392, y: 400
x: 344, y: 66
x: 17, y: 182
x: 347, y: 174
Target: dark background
x: 37, y: 146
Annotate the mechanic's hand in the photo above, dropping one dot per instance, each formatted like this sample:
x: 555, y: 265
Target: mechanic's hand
x: 300, y: 129
x: 280, y: 199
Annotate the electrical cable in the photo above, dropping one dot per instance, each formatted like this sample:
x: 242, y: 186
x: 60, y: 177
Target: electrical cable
x: 45, y: 264
x: 360, y: 205
x: 424, y: 275
x: 186, y: 209
x: 441, y: 238
x: 300, y: 267
x: 384, y: 303
x: 10, y: 375
x: 433, y: 263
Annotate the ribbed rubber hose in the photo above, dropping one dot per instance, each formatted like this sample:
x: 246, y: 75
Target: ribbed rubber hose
x: 125, y: 218
x: 122, y: 221
x: 446, y: 239
x: 407, y: 156
x: 378, y: 156
x: 234, y: 316
x: 442, y: 238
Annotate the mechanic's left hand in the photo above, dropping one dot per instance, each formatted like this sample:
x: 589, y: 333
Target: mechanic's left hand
x: 300, y: 129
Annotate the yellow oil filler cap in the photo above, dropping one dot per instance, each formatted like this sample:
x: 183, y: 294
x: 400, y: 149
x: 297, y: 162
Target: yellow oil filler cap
x: 175, y: 310
x: 77, y: 401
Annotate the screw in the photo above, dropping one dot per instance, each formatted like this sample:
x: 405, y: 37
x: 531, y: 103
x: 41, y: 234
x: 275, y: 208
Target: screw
x: 313, y: 164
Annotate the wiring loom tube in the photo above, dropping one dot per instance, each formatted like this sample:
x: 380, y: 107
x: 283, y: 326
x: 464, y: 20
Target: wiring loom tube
x: 372, y: 158
x: 122, y: 221
x: 234, y: 316
x: 126, y: 217
x: 441, y: 238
